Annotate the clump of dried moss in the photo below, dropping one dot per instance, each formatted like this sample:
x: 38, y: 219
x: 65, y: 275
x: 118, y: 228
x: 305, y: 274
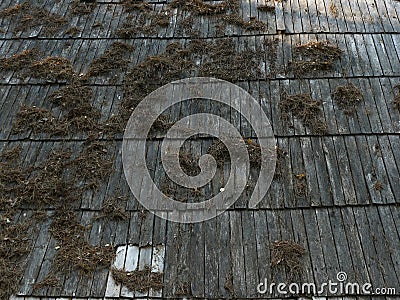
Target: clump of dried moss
x: 112, y: 59
x: 72, y: 31
x: 134, y: 5
x: 58, y: 181
x: 347, y: 97
x: 33, y: 118
x: 15, y: 235
x: 27, y: 16
x: 313, y: 56
x: 221, y: 154
x: 15, y: 244
x: 81, y: 8
x: 224, y: 61
x: 74, y: 251
x: 306, y: 109
x: 113, y: 209
x: 52, y: 69
x: 220, y: 58
x: 47, y: 184
x: 288, y: 254
x: 396, y: 100
x: 199, y: 7
x: 78, y: 113
x: 143, y: 20
x: 248, y: 25
x: 71, y: 96
x: 189, y: 163
x: 144, y: 78
x: 300, y: 185
x: 266, y: 8
x: 12, y: 177
x: 27, y: 63
x: 19, y: 61
x: 186, y: 26
x: 139, y: 280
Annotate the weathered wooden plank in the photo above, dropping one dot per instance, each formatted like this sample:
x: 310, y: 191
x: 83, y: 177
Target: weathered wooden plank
x: 377, y: 56
x: 308, y: 180
x: 321, y: 274
x: 392, y: 169
x: 262, y: 243
x: 211, y: 258
x: 368, y: 65
x: 350, y: 257
x: 344, y: 169
x: 327, y: 242
x: 300, y: 176
x: 237, y: 254
x: 355, y: 161
x: 374, y: 256
x: 390, y: 235
x: 339, y: 243
x: 384, y: 251
x: 250, y: 254
x: 395, y: 143
x: 370, y: 110
x: 113, y: 289
x: 381, y: 183
x: 173, y: 243
x: 274, y: 233
x: 359, y: 219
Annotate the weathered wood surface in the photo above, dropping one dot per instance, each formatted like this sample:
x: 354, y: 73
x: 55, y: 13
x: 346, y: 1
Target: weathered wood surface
x: 292, y: 16
x: 246, y: 255
x: 375, y: 114
x: 335, y: 211
x: 364, y: 55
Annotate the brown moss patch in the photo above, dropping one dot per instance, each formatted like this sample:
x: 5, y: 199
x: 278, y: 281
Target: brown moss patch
x: 78, y: 114
x: 312, y: 57
x: 221, y: 59
x: 143, y: 20
x: 74, y: 251
x: 52, y: 69
x: 306, y: 109
x: 112, y: 59
x: 288, y: 254
x: 27, y: 16
x: 72, y: 31
x: 81, y: 8
x: 135, y: 5
x: 47, y: 184
x: 266, y: 8
x: 94, y: 163
x: 51, y: 182
x: 199, y: 7
x: 113, y: 209
x: 248, y: 25
x: 347, y: 97
x: 189, y: 163
x: 14, y: 246
x: 281, y: 155
x: 139, y: 280
x: 221, y: 154
x: 33, y: 118
x: 19, y: 61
